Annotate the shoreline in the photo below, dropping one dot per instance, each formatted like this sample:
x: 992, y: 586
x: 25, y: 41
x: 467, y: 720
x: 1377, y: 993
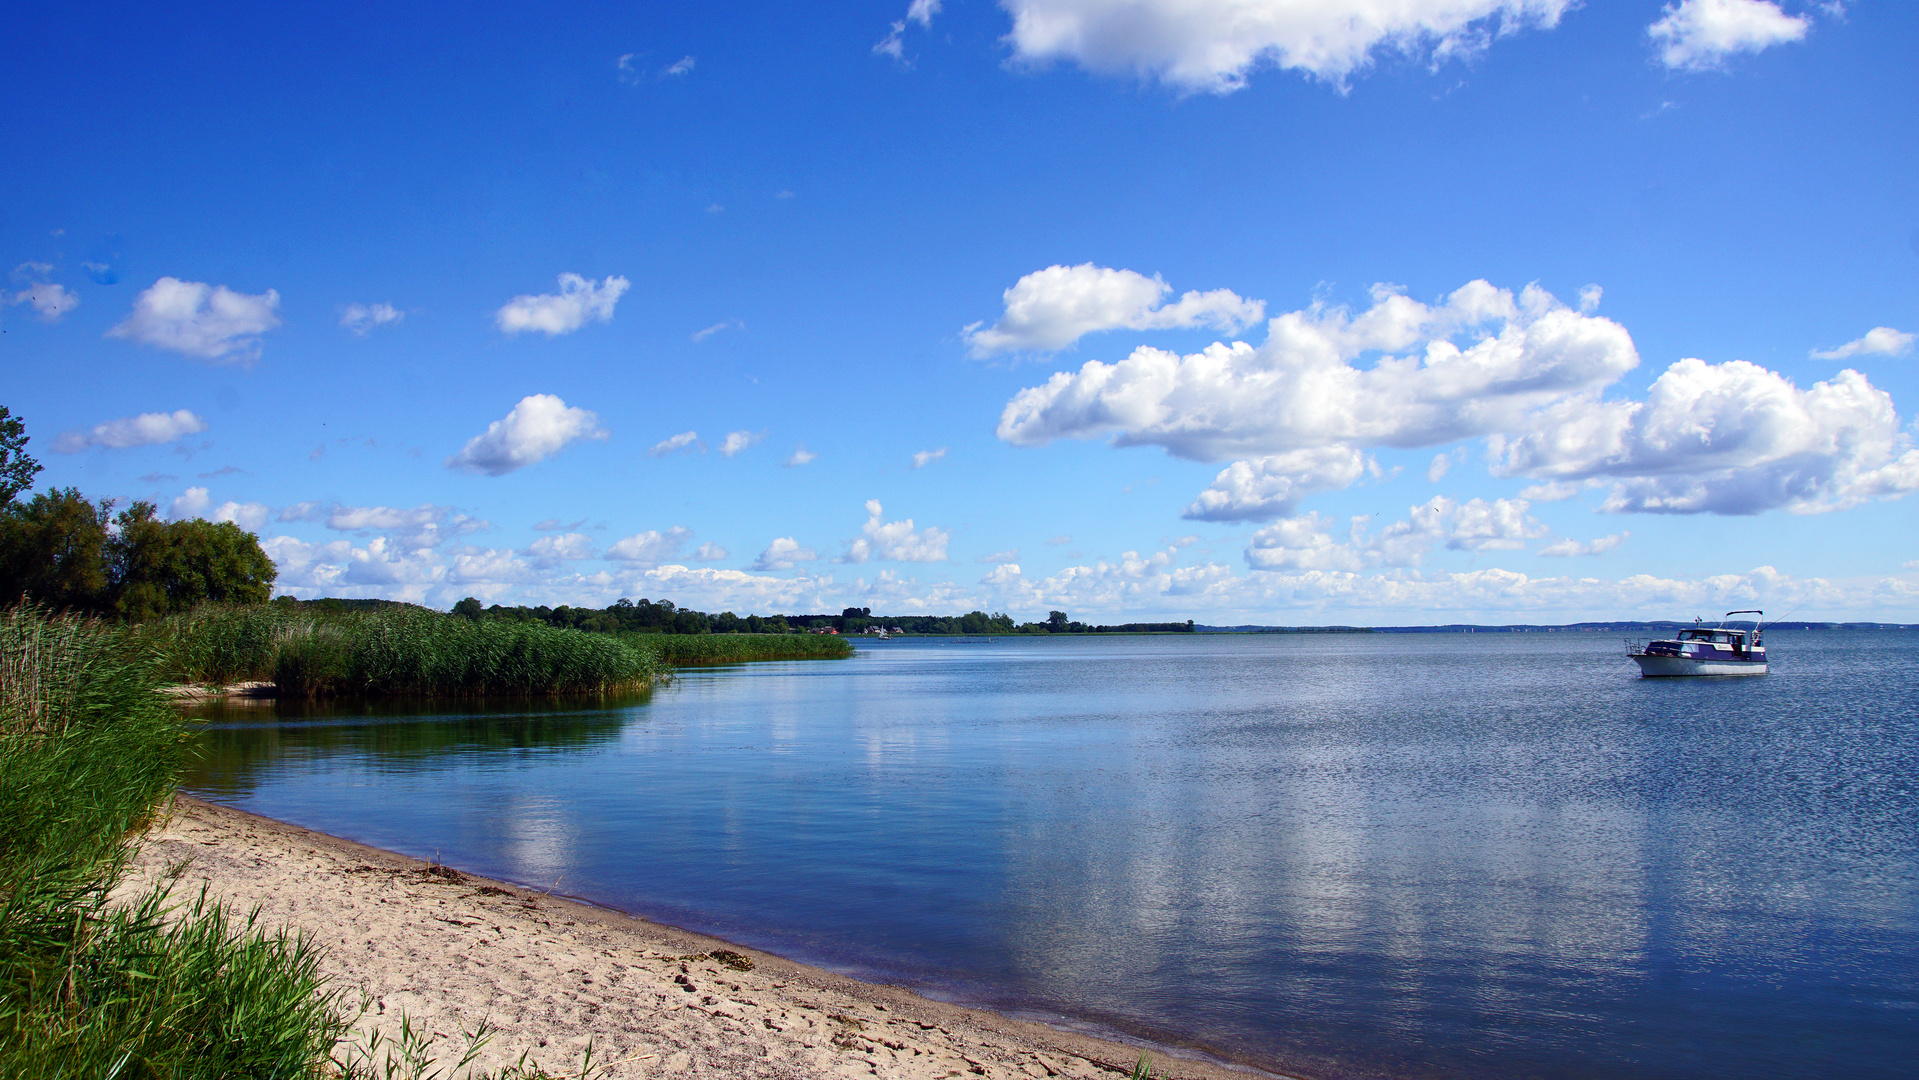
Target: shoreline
x: 448, y: 950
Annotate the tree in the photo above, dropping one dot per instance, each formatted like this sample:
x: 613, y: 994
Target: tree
x: 469, y: 608
x: 53, y: 551
x: 17, y: 469
x: 1056, y: 621
x: 157, y: 567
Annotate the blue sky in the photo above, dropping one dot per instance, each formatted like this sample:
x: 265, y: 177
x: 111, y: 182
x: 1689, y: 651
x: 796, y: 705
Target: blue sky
x: 1501, y: 310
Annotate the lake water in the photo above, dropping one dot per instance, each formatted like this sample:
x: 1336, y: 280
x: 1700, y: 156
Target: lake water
x: 1483, y: 855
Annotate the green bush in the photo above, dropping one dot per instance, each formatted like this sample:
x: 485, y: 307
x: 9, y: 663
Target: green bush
x: 689, y: 649
x: 392, y: 651
x: 88, y: 989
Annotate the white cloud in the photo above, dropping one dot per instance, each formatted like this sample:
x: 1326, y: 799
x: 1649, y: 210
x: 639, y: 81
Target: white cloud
x: 737, y: 441
x: 50, y: 301
x: 1589, y: 297
x: 195, y: 503
x: 679, y: 67
x: 923, y: 458
x: 629, y: 72
x: 1879, y: 341
x: 998, y: 558
x: 363, y: 318
x: 550, y: 551
x: 895, y: 541
x: 783, y: 554
x: 1730, y: 438
x: 1270, y: 487
x: 1570, y: 547
x: 146, y: 429
x: 674, y: 444
x: 1697, y: 34
x: 650, y: 548
x: 800, y: 456
x: 893, y: 44
x: 423, y: 526
x: 578, y: 302
x: 191, y: 503
x: 1300, y: 389
x: 1051, y: 309
x: 211, y: 322
x: 1308, y: 542
x: 702, y: 335
x: 709, y: 552
x: 1214, y: 45
x: 250, y: 516
x: 536, y: 429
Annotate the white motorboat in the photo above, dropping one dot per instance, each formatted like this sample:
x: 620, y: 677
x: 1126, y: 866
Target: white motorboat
x: 1703, y: 650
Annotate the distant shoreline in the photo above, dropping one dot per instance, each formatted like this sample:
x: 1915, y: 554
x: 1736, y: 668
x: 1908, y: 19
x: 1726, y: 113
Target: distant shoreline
x: 1535, y: 628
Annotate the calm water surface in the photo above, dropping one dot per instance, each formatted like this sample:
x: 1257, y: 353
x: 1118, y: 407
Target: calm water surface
x: 1343, y: 856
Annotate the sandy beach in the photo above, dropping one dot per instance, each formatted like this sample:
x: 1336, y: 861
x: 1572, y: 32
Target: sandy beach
x: 448, y: 950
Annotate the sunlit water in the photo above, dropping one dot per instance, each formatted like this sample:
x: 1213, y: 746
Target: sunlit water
x: 1343, y: 855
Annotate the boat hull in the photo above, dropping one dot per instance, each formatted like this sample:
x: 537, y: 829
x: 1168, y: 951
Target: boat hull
x: 1660, y: 667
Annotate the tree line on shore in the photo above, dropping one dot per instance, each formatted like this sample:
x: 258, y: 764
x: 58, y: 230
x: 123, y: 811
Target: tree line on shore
x: 664, y: 617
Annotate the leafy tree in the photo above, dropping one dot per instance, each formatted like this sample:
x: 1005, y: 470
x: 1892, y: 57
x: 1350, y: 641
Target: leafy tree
x: 469, y: 608
x: 159, y: 567
x: 53, y: 550
x: 1056, y: 621
x: 17, y: 469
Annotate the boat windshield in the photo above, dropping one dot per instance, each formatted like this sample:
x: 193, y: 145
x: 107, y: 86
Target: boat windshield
x: 1730, y: 637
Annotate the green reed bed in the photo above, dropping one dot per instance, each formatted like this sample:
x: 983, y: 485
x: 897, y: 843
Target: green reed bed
x: 88, y: 750
x: 681, y: 650
x: 394, y: 652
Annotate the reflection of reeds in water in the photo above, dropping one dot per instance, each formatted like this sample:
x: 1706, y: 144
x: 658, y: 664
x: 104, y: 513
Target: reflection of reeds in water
x: 394, y: 652
x: 87, y: 751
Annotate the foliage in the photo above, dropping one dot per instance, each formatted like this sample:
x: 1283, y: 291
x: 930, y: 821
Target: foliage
x: 663, y: 617
x: 391, y: 651
x: 683, y: 650
x: 87, y: 750
x: 66, y: 553
x: 17, y: 468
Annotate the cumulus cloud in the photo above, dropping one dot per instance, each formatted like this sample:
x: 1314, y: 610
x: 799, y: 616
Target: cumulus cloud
x: 1697, y: 34
x: 1051, y: 309
x: 48, y: 300
x: 709, y: 552
x: 923, y: 458
x: 673, y: 444
x: 423, y: 526
x: 1301, y: 388
x: 362, y: 319
x: 650, y: 548
x: 1214, y: 45
x: 560, y: 548
x: 1000, y: 558
x: 1879, y: 341
x: 146, y: 429
x: 1311, y: 541
x: 800, y: 456
x: 211, y: 322
x: 536, y: 429
x: 783, y: 554
x: 1265, y: 488
x: 1569, y: 547
x: 1730, y: 438
x: 895, y: 541
x: 578, y: 302
x: 190, y: 503
x: 737, y: 441
x: 1527, y: 374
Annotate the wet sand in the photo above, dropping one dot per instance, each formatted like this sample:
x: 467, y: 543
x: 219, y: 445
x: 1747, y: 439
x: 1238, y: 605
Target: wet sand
x: 448, y: 950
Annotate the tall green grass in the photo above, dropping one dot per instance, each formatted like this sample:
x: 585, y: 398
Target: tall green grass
x: 89, y: 989
x: 393, y: 652
x: 682, y: 650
